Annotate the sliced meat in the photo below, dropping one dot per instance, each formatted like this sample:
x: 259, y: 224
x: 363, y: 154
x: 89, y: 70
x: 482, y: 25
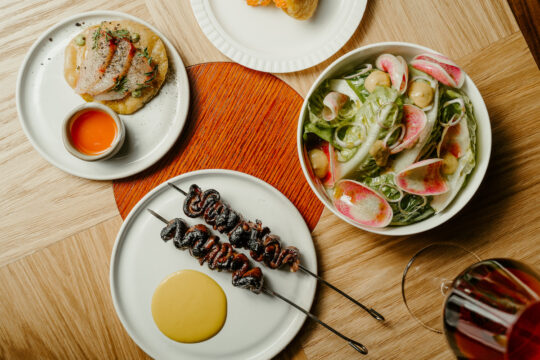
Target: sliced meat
x: 99, y: 53
x: 138, y: 74
x: 118, y: 67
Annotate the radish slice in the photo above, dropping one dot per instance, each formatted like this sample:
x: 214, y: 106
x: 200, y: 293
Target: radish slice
x: 405, y: 80
x: 435, y: 70
x: 422, y: 178
x: 361, y: 204
x: 393, y: 66
x: 415, y: 121
x: 455, y: 139
x: 330, y: 178
x: 448, y: 65
x: 333, y: 101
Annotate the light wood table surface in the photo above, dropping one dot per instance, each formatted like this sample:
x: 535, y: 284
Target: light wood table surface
x: 57, y: 231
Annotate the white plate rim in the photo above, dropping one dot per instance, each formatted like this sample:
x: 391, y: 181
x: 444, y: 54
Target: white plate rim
x: 180, y: 73
x: 220, y: 40
x: 139, y: 207
x: 454, y: 207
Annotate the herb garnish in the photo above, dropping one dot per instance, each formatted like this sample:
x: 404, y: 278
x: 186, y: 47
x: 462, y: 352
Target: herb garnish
x: 120, y: 33
x: 95, y: 37
x: 146, y: 55
x: 120, y: 84
x: 152, y: 73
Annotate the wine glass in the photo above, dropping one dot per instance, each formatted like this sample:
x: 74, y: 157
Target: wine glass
x: 488, y: 309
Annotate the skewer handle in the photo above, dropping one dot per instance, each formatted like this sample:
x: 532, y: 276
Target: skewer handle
x: 371, y: 311
x: 353, y: 343
x: 177, y: 188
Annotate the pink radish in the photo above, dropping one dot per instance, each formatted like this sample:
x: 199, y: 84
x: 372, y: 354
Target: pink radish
x: 448, y: 65
x: 330, y: 178
x: 435, y: 70
x: 333, y: 102
x: 405, y: 81
x: 394, y: 67
x: 422, y: 178
x: 455, y: 140
x: 361, y: 204
x: 415, y: 121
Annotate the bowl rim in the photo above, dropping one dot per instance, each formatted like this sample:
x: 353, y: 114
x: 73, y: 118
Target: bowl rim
x: 453, y: 208
x: 111, y: 150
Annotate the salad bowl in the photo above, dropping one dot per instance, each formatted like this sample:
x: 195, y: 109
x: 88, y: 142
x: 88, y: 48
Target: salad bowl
x: 481, y: 143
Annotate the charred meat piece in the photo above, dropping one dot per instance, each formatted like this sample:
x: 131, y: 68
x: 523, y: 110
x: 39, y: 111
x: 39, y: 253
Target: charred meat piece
x: 253, y: 236
x: 207, y: 248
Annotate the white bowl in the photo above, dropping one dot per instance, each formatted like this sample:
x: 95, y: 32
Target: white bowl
x: 368, y: 54
x: 111, y: 150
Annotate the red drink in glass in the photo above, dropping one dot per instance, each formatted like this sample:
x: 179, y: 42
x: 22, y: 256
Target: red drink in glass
x: 492, y: 312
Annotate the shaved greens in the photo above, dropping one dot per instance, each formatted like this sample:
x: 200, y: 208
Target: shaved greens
x: 381, y: 110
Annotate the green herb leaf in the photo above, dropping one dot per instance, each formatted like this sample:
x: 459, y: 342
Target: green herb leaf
x: 95, y: 37
x: 120, y: 84
x: 120, y: 33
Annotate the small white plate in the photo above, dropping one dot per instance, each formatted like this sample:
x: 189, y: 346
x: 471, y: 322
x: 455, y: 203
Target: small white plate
x: 265, y: 38
x: 257, y: 326
x: 44, y: 98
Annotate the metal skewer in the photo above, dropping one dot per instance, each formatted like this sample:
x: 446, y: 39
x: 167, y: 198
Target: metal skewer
x: 353, y: 343
x: 370, y: 311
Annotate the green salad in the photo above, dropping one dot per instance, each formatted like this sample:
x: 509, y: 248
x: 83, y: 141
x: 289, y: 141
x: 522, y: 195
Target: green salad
x: 392, y: 142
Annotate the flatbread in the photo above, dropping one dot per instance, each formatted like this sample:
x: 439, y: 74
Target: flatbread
x: 74, y: 56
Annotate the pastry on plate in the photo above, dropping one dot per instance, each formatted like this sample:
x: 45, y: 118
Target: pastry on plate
x: 298, y: 9
x: 121, y: 64
x: 258, y: 2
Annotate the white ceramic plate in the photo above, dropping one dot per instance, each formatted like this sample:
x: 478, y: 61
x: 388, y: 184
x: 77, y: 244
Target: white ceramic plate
x: 257, y: 326
x: 44, y: 98
x: 265, y: 38
x: 483, y: 136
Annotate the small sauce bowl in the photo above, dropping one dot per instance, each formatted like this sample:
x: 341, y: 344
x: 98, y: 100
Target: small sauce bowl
x: 93, y: 131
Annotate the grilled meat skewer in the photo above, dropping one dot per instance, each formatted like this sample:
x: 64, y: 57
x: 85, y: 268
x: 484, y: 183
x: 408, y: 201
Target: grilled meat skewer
x: 206, y: 247
x: 263, y: 245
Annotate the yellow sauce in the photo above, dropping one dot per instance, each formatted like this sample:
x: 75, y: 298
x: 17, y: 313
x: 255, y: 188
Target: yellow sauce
x: 189, y: 306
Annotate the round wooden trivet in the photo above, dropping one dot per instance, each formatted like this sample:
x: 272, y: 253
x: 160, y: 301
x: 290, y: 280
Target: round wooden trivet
x: 240, y: 119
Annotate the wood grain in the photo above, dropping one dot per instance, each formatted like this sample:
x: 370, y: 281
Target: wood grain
x: 59, y: 313
x: 55, y: 300
x: 527, y: 13
x: 242, y: 120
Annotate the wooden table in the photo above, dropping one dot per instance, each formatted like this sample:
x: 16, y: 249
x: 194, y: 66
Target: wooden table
x: 57, y: 231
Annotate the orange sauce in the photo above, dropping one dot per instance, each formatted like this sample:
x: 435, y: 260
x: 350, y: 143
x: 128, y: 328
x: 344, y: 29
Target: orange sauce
x: 92, y: 132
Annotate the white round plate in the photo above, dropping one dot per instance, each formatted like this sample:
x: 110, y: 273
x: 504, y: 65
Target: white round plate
x: 265, y: 38
x: 44, y: 98
x: 257, y: 326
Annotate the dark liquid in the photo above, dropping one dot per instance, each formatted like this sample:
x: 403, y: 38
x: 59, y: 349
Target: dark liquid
x: 493, y: 312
